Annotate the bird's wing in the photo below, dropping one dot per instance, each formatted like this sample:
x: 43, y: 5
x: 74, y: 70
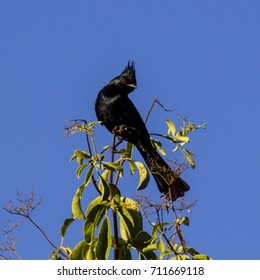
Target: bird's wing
x: 127, y: 115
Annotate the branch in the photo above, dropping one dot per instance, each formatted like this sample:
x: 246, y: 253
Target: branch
x: 80, y: 125
x: 114, y: 214
x: 25, y: 210
x: 151, y: 108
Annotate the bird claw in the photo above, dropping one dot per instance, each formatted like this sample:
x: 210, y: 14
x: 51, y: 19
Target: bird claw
x: 119, y: 129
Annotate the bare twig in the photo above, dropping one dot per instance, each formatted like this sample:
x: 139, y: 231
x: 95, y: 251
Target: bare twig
x: 25, y: 209
x: 9, y: 246
x: 151, y: 108
x: 79, y: 125
x: 159, y: 209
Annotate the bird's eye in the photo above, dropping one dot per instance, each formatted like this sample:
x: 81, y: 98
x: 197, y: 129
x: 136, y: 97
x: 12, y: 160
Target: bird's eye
x: 123, y: 81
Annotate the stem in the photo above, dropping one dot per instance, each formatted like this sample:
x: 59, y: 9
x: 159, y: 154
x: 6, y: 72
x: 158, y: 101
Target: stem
x: 112, y: 156
x: 161, y: 231
x: 3, y: 257
x: 150, y: 110
x: 181, y: 237
x: 114, y: 214
x: 118, y: 173
x: 161, y: 135
x: 17, y: 255
x: 90, y: 152
x: 47, y: 238
x: 42, y: 232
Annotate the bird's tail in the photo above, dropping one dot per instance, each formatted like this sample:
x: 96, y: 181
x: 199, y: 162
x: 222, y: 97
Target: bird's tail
x: 167, y: 180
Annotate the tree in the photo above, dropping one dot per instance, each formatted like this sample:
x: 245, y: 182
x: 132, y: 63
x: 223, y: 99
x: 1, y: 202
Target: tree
x: 114, y: 225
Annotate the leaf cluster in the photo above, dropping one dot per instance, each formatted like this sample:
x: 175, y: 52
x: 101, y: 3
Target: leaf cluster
x: 113, y: 222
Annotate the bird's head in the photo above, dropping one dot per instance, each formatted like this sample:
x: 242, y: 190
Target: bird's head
x: 126, y: 81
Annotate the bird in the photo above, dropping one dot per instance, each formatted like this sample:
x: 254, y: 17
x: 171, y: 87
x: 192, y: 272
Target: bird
x: 118, y: 114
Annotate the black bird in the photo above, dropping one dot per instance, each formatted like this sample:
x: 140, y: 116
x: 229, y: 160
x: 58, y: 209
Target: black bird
x: 119, y: 115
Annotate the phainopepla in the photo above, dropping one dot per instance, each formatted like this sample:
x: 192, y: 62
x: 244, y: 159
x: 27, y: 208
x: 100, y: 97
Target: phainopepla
x: 119, y: 115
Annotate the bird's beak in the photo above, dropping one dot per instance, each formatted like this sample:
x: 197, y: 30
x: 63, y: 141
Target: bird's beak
x: 131, y: 85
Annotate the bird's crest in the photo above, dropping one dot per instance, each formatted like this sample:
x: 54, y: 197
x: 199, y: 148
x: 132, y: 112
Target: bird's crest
x: 129, y: 71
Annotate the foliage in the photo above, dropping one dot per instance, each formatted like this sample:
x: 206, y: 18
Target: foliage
x: 113, y: 223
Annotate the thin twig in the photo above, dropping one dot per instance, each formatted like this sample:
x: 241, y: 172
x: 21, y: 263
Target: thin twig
x: 3, y: 257
x: 151, y: 108
x: 94, y: 181
x: 25, y: 211
x: 159, y: 222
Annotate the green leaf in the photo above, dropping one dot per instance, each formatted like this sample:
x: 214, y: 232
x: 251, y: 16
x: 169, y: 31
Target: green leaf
x: 141, y: 256
x: 124, y: 253
x: 112, y: 166
x: 185, y: 221
x: 129, y: 149
x: 89, y: 231
x: 124, y: 249
x: 180, y: 249
x: 158, y: 146
x: 96, y: 214
x: 122, y: 151
x: 189, y: 157
x: 76, y: 203
x: 201, y: 257
x: 80, y: 169
x: 65, y: 226
x: 125, y: 225
x: 76, y: 253
x: 179, y: 138
x: 180, y: 257
x: 161, y: 246
x: 129, y: 203
x: 141, y: 240
x: 80, y: 155
x: 131, y: 165
x: 187, y: 152
x: 104, y: 149
x: 105, y: 174
x: 104, y: 188
x: 144, y: 176
x: 130, y: 222
x: 176, y: 148
x: 85, y: 252
x: 89, y: 253
x: 158, y: 228
x: 96, y: 211
x: 104, y: 240
x: 192, y: 251
x: 148, y: 252
x: 89, y: 175
x: 165, y: 253
x: 115, y: 192
x: 171, y: 127
x: 191, y: 161
x: 150, y: 247
x: 72, y: 157
x: 185, y: 257
x: 92, y: 204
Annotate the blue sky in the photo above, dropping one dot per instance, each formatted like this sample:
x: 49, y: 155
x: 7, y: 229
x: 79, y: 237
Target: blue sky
x: 200, y: 57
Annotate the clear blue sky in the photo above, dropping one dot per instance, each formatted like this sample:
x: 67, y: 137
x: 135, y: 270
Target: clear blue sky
x: 200, y: 57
